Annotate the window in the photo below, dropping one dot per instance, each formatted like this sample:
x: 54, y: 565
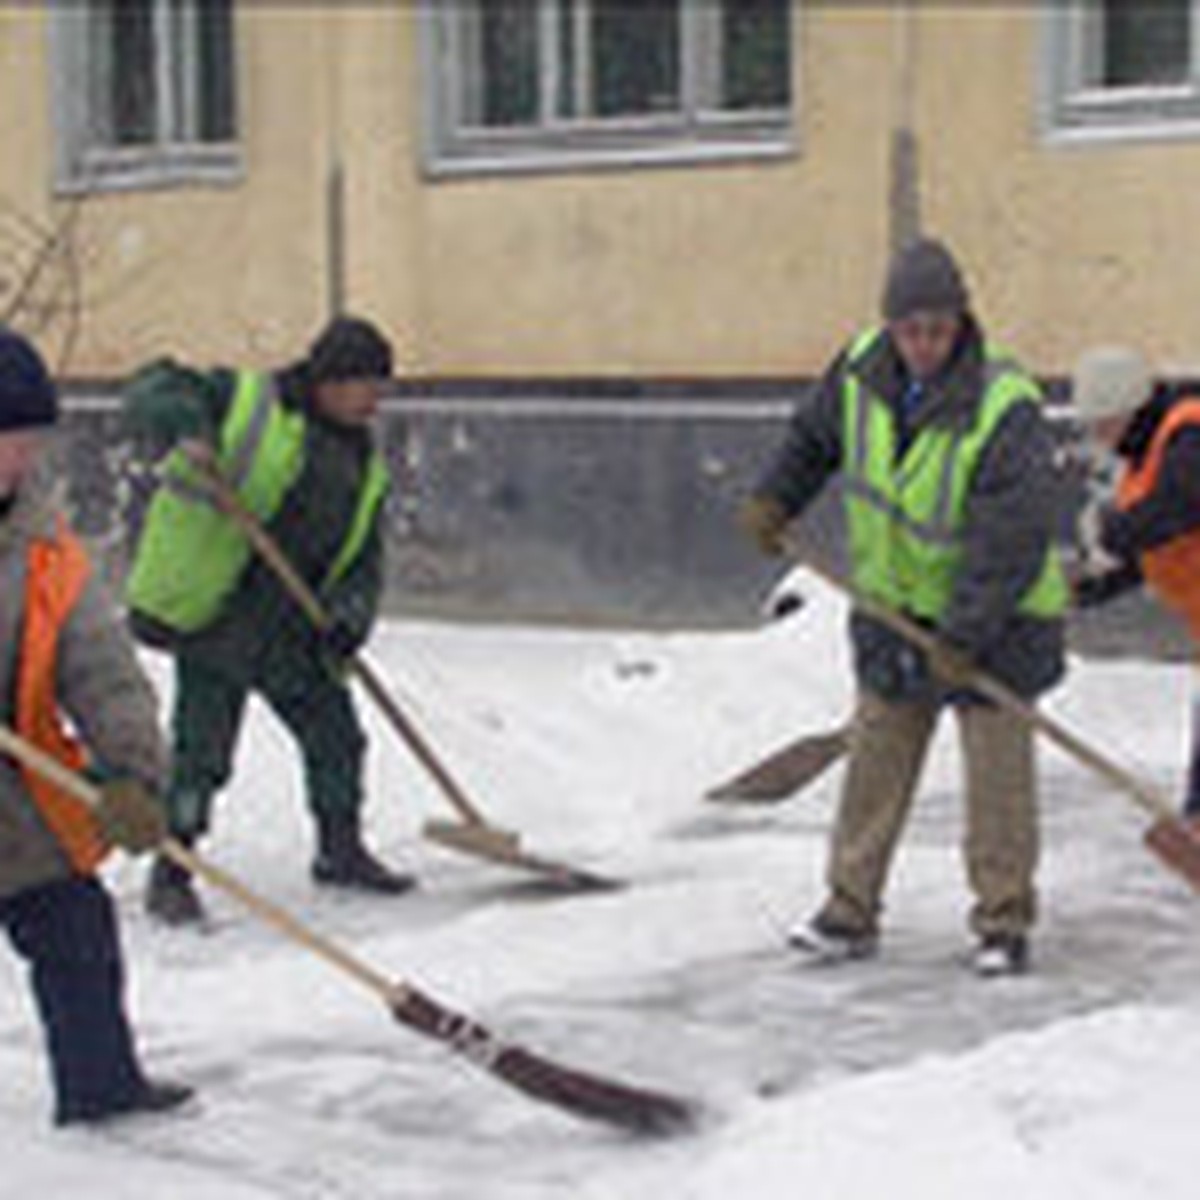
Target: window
x: 538, y: 83
x: 146, y: 91
x: 1124, y: 65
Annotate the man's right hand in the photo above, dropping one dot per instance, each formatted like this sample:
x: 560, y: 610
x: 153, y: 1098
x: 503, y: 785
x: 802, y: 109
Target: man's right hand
x: 129, y: 816
x: 764, y: 521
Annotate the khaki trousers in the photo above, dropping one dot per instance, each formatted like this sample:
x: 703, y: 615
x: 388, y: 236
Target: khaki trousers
x: 888, y: 749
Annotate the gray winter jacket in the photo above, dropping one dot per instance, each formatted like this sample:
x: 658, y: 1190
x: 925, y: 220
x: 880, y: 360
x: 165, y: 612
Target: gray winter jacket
x: 100, y: 687
x: 1013, y: 506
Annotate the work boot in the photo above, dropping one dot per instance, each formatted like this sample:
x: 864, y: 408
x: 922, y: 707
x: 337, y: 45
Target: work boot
x: 824, y: 940
x: 153, y: 1096
x: 171, y: 894
x: 1001, y: 954
x: 343, y: 861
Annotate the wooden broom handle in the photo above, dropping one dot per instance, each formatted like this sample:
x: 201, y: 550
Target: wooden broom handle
x: 300, y: 591
x: 1143, y: 793
x: 38, y: 761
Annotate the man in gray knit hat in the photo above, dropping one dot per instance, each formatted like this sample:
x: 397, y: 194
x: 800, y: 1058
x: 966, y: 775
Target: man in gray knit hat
x: 947, y: 469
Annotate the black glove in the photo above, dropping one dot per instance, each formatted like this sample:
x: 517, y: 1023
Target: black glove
x: 1116, y: 534
x: 1091, y: 591
x: 341, y: 639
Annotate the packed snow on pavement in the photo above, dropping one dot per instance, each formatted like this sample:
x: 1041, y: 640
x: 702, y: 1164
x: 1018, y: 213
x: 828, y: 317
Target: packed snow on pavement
x: 905, y: 1076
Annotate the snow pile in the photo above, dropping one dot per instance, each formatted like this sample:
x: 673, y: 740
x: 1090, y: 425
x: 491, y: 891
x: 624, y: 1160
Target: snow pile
x: 904, y: 1077
x: 1098, y: 1107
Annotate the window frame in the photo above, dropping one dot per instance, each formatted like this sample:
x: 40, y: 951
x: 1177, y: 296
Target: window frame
x: 84, y: 165
x: 1075, y: 112
x: 698, y: 131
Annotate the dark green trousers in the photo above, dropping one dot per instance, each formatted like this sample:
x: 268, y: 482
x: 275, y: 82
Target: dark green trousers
x: 303, y: 691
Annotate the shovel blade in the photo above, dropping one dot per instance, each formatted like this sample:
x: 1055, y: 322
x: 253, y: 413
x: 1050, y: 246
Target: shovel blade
x: 780, y: 775
x: 504, y: 848
x: 485, y: 841
x: 1177, y: 844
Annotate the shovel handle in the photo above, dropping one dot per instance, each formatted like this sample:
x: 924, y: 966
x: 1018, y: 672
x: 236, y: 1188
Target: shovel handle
x: 309, y: 602
x: 38, y: 761
x: 1144, y: 794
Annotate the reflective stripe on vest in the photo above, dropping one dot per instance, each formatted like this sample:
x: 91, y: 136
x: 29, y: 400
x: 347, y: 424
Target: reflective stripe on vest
x: 191, y: 555
x: 56, y: 574
x: 905, y: 518
x: 1173, y: 569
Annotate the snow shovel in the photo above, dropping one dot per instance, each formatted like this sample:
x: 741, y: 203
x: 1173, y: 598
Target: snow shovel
x: 473, y: 834
x: 1169, y: 837
x: 782, y: 774
x: 584, y: 1094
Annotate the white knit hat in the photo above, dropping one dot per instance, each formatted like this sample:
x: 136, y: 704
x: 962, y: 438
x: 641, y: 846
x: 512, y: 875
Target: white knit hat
x: 1110, y: 381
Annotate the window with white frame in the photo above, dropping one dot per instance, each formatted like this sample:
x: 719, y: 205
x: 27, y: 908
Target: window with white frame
x: 1123, y: 65
x: 146, y: 91
x: 548, y: 82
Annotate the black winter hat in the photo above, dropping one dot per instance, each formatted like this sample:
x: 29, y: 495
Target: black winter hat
x: 28, y: 397
x: 349, y: 348
x: 924, y: 277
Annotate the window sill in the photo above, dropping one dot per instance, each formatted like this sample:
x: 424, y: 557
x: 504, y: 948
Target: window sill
x: 468, y: 157
x: 1118, y: 132
x: 151, y: 170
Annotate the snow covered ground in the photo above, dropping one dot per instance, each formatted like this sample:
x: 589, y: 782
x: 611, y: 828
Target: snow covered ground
x: 903, y: 1077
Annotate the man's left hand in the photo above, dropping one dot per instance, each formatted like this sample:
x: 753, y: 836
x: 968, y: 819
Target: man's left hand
x: 951, y: 665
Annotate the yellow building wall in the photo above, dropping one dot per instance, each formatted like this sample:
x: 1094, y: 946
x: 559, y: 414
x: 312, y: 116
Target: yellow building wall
x: 1067, y: 245
x: 217, y: 273
x: 693, y: 270
x: 757, y: 268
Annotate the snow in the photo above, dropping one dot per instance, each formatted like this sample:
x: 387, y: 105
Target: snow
x: 904, y: 1077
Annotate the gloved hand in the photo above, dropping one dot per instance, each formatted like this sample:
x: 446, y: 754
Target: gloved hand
x: 1116, y: 536
x: 1093, y: 590
x: 341, y: 639
x: 951, y: 665
x: 764, y: 520
x: 129, y: 816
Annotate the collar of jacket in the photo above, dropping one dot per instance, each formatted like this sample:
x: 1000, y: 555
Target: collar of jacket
x: 31, y: 516
x: 1144, y: 424
x: 951, y: 398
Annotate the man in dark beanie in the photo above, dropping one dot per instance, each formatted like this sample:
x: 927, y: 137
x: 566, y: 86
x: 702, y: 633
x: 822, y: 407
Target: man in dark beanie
x: 950, y: 503
x: 30, y: 400
x: 299, y: 449
x: 64, y: 657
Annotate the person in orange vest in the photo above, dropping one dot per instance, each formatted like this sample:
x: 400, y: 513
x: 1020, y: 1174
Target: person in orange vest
x: 1149, y: 532
x: 65, y: 657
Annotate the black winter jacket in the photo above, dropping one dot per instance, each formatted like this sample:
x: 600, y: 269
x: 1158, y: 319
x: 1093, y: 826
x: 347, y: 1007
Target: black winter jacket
x: 1011, y: 517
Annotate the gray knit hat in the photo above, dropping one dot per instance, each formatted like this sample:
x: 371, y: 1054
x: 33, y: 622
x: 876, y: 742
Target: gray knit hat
x: 1110, y: 381
x: 924, y: 277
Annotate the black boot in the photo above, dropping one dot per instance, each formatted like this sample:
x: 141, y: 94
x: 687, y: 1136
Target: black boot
x: 343, y: 861
x: 171, y: 894
x: 152, y: 1096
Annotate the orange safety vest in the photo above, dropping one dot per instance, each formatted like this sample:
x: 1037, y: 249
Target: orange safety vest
x: 1173, y: 569
x: 56, y: 574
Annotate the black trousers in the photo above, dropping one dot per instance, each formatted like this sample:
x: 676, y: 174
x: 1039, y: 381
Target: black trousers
x: 67, y: 932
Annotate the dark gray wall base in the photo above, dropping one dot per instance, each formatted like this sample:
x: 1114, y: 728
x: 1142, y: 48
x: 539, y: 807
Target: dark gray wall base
x: 588, y: 502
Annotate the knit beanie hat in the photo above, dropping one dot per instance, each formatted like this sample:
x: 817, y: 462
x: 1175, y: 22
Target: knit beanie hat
x: 349, y: 348
x: 28, y: 397
x: 924, y: 277
x: 1109, y: 381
